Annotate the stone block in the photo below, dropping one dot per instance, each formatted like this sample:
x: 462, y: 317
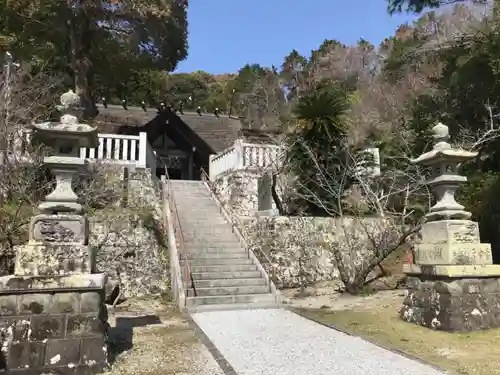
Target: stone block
x: 52, y: 336
x: 26, y: 355
x: 94, y: 351
x: 47, y: 327
x: 30, y: 304
x: 91, y: 302
x: 13, y: 285
x: 453, y: 271
x: 65, y: 303
x: 84, y: 325
x: 60, y: 228
x: 450, y: 232
x: 15, y: 328
x: 54, y: 259
x: 63, y: 353
x: 46, y: 371
x: 453, y: 305
x: 8, y: 305
x: 458, y: 253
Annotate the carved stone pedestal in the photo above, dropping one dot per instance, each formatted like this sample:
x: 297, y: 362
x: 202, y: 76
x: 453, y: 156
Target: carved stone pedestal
x: 57, y: 246
x: 53, y: 324
x: 451, y: 304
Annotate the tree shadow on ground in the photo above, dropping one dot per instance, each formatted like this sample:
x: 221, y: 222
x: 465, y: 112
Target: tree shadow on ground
x: 121, y: 335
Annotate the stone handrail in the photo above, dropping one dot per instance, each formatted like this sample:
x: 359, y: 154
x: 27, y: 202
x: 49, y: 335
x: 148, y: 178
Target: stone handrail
x: 260, y: 155
x: 178, y: 289
x: 242, y: 155
x: 225, y: 161
x: 118, y: 148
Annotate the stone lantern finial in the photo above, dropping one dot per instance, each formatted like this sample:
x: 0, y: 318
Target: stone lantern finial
x: 441, y: 134
x: 70, y: 107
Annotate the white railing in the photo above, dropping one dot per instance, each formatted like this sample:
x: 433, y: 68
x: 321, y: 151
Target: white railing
x: 243, y: 155
x: 119, y: 149
x: 112, y: 148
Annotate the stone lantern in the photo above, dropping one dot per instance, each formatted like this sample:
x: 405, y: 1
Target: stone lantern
x: 453, y: 284
x: 55, y: 295
x: 444, y: 181
x: 65, y: 138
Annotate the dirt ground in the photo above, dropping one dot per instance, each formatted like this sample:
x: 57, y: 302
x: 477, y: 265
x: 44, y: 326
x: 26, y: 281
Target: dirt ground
x: 150, y: 337
x: 376, y: 317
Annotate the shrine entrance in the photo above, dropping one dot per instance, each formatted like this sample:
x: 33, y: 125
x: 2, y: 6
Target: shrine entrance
x: 180, y: 162
x: 179, y: 150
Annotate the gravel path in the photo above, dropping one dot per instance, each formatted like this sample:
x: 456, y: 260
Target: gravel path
x: 275, y: 342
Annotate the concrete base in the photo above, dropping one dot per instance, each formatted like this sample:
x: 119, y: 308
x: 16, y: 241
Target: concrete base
x: 454, y: 305
x: 54, y: 259
x: 267, y: 213
x: 455, y: 271
x: 53, y: 324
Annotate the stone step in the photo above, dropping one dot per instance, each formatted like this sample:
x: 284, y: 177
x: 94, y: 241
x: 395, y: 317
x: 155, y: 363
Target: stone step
x: 187, y: 214
x: 210, y: 221
x: 218, y: 262
x: 219, y: 275
x: 195, y: 200
x: 195, y: 230
x: 213, y: 249
x: 241, y: 254
x: 234, y: 299
x: 193, y: 203
x: 235, y: 306
x: 216, y: 232
x: 199, y: 196
x: 190, y: 227
x: 224, y: 268
x: 198, y: 241
x: 229, y: 291
x: 201, y: 243
x: 217, y: 283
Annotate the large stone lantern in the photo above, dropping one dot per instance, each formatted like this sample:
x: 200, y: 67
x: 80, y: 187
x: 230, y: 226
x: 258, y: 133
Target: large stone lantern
x: 53, y: 317
x: 65, y: 138
x: 453, y: 284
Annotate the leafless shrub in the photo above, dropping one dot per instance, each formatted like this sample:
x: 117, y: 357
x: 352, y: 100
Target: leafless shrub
x: 376, y: 213
x: 24, y: 99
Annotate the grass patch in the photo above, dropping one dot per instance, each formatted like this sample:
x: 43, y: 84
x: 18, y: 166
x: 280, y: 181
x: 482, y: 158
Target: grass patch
x: 475, y: 353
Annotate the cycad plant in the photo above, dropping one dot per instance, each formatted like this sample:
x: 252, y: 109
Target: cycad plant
x: 317, y: 149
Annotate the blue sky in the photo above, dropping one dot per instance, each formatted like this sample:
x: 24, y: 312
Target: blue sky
x: 224, y: 35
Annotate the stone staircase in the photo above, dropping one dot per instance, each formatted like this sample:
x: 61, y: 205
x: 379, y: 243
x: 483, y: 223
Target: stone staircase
x: 225, y: 277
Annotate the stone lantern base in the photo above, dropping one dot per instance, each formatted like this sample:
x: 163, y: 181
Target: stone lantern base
x: 453, y: 286
x: 53, y: 324
x: 453, y: 298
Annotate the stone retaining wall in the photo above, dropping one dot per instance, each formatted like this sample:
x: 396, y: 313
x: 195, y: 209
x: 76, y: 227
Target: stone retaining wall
x: 300, y: 248
x: 238, y: 190
x: 127, y: 236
